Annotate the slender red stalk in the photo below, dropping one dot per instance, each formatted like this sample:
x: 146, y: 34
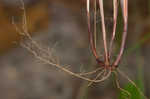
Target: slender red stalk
x: 90, y: 33
x: 104, y: 31
x: 115, y: 9
x: 92, y: 38
x: 124, y: 5
x: 95, y: 25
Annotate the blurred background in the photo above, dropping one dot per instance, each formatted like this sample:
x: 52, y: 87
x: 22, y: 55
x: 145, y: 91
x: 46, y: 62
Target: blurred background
x: 61, y: 25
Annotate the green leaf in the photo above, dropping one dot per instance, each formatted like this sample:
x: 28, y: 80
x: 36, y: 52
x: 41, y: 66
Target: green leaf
x: 134, y: 92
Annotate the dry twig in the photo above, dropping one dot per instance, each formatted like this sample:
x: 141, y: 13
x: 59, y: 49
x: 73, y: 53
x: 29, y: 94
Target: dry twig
x: 106, y: 68
x: 48, y: 60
